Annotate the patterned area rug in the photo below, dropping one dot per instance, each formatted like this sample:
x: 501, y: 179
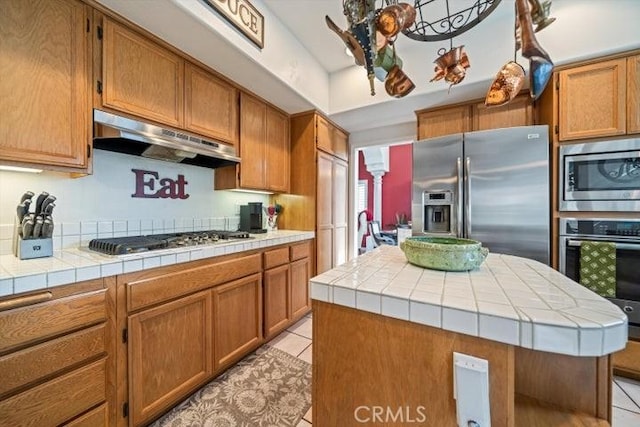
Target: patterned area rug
x: 266, y: 388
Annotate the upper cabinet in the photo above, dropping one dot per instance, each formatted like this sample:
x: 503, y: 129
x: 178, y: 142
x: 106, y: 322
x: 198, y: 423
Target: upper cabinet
x: 444, y: 121
x: 518, y: 112
x: 264, y: 150
x: 211, y: 105
x: 474, y: 116
x: 331, y: 139
x: 141, y: 77
x: 633, y: 94
x: 44, y: 88
x: 592, y: 100
x: 148, y: 80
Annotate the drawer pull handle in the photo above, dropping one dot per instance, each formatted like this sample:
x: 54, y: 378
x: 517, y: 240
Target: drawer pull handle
x: 25, y: 300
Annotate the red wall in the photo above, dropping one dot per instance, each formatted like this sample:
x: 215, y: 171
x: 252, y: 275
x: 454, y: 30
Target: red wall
x: 396, y: 184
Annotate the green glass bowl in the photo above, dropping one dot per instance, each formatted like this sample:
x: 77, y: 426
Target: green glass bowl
x: 444, y: 253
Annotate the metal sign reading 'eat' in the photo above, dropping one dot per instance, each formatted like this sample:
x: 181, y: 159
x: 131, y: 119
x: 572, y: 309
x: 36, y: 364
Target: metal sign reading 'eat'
x: 243, y: 16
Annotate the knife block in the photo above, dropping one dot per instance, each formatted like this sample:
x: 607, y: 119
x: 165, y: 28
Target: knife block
x: 31, y: 248
x: 34, y: 248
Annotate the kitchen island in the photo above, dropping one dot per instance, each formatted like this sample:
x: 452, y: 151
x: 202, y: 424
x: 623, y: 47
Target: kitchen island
x: 385, y: 332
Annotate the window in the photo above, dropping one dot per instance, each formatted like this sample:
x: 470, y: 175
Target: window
x: 363, y: 187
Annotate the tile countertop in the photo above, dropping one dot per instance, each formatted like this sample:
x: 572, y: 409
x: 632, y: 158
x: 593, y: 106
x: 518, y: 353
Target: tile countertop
x: 78, y: 264
x: 509, y: 299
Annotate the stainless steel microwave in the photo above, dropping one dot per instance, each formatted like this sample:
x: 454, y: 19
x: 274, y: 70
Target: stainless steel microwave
x: 600, y: 176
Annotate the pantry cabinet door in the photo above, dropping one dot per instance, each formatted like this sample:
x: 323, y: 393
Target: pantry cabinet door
x: 44, y: 83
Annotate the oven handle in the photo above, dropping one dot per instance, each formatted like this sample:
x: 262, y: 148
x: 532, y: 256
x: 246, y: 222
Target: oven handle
x: 629, y: 246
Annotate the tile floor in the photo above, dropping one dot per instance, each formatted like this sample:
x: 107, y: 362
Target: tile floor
x: 626, y: 392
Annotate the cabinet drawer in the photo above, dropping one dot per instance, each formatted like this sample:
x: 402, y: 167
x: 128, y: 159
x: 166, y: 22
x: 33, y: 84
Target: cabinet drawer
x: 94, y: 418
x: 58, y: 400
x: 300, y: 251
x: 23, y: 325
x: 153, y: 288
x: 33, y: 363
x: 276, y: 257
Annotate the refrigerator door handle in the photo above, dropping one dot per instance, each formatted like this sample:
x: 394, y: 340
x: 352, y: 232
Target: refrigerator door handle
x: 467, y: 198
x: 458, y: 230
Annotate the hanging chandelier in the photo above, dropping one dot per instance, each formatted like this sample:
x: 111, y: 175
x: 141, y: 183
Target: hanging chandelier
x: 372, y: 31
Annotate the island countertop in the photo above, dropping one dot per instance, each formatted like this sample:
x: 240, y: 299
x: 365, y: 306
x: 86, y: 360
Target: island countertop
x: 509, y: 299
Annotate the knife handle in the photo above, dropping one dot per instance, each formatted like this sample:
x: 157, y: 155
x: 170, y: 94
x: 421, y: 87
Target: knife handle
x: 40, y: 200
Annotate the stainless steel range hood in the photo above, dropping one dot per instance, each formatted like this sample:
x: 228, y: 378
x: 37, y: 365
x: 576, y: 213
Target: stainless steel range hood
x: 125, y: 135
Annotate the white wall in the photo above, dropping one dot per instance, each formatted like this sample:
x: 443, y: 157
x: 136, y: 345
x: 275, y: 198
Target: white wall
x: 105, y: 197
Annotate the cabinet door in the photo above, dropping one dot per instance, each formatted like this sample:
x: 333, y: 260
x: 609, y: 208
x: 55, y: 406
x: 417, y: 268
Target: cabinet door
x: 277, y: 151
x: 444, y: 121
x: 324, y: 135
x: 633, y: 94
x: 237, y: 320
x: 592, y: 100
x: 44, y: 87
x: 169, y: 354
x: 252, y: 146
x: 211, y: 105
x: 518, y: 112
x: 277, y: 302
x: 340, y: 211
x: 300, y: 295
x: 324, y: 215
x: 141, y: 77
x: 340, y: 144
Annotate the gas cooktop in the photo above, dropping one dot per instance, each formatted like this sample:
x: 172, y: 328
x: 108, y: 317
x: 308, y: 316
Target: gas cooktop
x: 135, y: 244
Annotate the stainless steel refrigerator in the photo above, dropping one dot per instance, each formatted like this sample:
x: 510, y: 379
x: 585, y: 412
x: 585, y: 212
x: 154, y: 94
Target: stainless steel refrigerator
x: 491, y: 186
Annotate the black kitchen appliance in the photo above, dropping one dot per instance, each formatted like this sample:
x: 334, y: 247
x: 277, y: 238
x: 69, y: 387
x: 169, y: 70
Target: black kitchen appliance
x: 625, y: 233
x: 251, y: 218
x: 135, y: 244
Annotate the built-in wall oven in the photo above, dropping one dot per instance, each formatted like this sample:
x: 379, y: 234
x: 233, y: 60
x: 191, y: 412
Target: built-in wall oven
x: 625, y: 233
x: 600, y: 176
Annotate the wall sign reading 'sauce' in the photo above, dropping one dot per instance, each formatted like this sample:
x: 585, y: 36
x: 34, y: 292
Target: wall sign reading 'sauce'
x: 243, y: 16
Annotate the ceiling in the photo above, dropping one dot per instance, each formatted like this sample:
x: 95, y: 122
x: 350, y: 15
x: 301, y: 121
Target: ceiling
x: 304, y: 65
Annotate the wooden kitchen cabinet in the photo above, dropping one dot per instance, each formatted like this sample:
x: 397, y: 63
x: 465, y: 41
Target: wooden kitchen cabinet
x: 444, y: 121
x: 633, y: 94
x: 264, y: 150
x: 277, y: 300
x: 518, y: 112
x: 474, y: 116
x: 331, y: 139
x: 141, y: 77
x: 56, y: 356
x: 286, y: 287
x: 45, y: 101
x: 319, y: 191
x: 170, y: 353
x: 300, y: 274
x: 592, y: 100
x: 211, y: 105
x: 237, y: 321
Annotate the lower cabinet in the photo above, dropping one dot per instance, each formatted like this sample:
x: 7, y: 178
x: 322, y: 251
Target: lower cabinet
x: 237, y: 319
x: 56, y: 350
x: 300, y: 294
x: 169, y: 354
x: 277, y: 303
